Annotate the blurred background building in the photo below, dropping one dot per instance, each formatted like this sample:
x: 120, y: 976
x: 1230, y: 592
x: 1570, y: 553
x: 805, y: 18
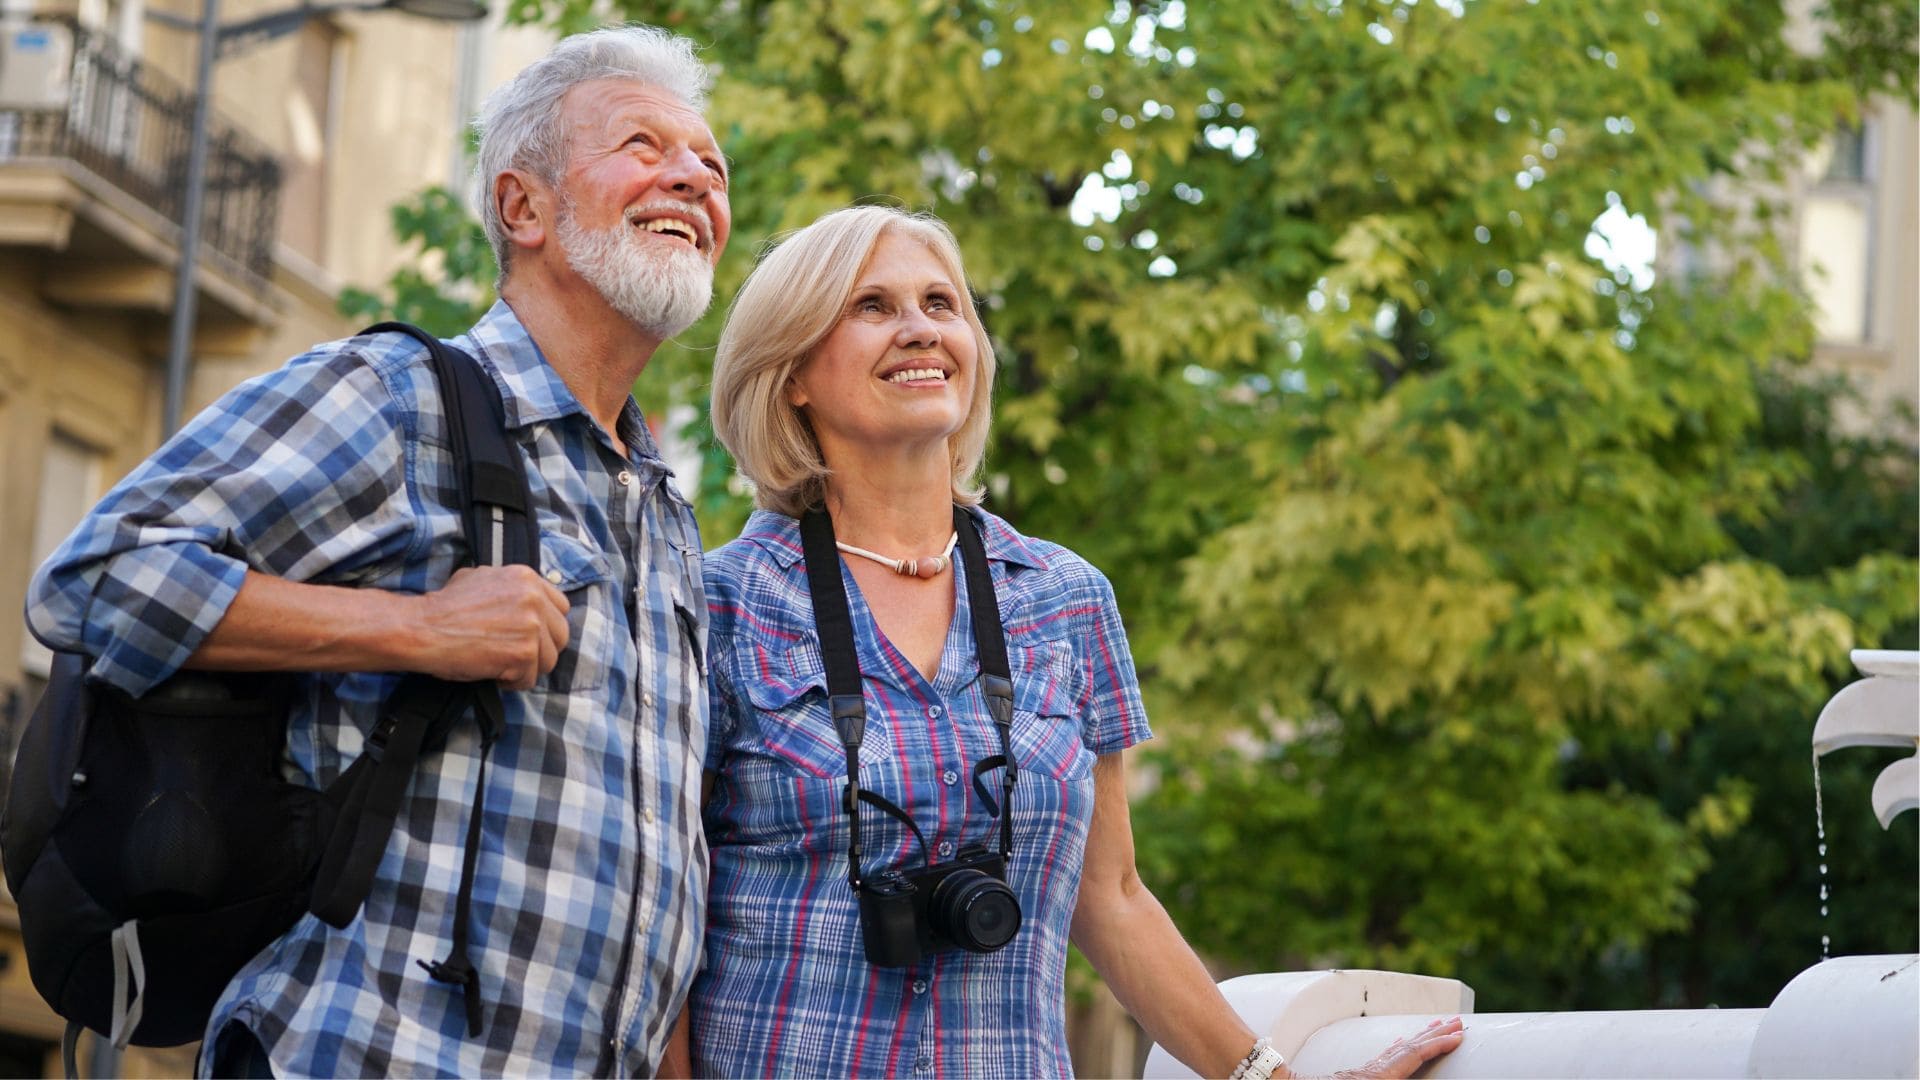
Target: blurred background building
x: 1856, y: 230
x: 313, y: 136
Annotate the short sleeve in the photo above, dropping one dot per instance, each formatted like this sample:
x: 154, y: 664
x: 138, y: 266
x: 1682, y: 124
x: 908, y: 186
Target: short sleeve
x: 721, y: 580
x: 1113, y: 716
x: 722, y: 702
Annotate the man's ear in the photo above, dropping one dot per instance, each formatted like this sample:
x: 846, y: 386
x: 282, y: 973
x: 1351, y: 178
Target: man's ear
x: 526, y: 208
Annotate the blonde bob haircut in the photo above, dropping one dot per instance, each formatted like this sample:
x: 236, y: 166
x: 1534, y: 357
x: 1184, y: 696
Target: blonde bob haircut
x: 793, y: 298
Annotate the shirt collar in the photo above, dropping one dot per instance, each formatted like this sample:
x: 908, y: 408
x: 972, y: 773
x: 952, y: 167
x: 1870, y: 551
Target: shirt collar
x: 529, y: 387
x: 779, y: 536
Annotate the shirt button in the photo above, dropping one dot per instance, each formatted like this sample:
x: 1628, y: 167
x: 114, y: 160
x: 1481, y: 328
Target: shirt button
x: 924, y: 1065
x: 554, y: 576
x: 933, y: 713
x: 626, y: 478
x: 646, y: 699
x: 919, y: 986
x: 945, y: 849
x: 950, y: 777
x: 649, y: 815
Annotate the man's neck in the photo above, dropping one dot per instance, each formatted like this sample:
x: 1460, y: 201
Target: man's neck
x: 595, y: 350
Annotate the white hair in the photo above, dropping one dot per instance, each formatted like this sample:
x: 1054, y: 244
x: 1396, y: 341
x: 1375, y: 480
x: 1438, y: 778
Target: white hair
x: 519, y: 126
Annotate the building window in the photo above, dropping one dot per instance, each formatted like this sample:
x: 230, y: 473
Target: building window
x: 1847, y: 155
x: 311, y: 137
x: 1836, y: 238
x: 69, y: 486
x: 122, y: 20
x: 107, y: 112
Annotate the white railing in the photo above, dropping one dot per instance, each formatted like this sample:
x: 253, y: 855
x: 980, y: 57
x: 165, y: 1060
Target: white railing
x: 1854, y: 1016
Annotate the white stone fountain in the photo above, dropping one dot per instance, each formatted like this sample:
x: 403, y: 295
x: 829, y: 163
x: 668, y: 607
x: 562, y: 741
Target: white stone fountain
x: 1852, y: 1016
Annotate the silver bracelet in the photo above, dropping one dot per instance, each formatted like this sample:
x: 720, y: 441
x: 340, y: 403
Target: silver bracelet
x: 1259, y: 1062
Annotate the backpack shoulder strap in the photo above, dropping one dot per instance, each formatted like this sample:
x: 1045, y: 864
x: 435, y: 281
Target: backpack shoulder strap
x: 496, y: 503
x: 501, y: 529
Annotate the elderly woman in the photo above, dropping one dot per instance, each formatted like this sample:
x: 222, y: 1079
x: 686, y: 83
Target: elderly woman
x: 966, y: 691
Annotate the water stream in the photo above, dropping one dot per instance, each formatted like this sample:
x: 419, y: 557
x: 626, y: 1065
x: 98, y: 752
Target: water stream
x: 1820, y: 828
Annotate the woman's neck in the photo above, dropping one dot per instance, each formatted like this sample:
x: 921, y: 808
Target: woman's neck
x: 899, y: 508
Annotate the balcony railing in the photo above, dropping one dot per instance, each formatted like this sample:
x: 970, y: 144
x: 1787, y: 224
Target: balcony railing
x: 130, y: 125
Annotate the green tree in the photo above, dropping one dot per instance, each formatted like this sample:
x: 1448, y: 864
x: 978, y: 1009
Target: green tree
x: 1425, y: 509
x: 449, y: 285
x: 1756, y: 919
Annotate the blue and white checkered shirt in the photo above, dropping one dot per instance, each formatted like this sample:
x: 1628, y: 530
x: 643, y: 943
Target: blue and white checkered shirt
x: 588, y: 896
x: 786, y: 989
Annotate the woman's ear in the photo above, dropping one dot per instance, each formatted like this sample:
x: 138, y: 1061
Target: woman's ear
x: 795, y: 394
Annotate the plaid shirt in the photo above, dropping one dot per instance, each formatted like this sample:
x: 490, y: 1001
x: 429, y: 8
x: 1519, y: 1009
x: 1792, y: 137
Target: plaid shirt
x: 587, y: 897
x: 787, y: 990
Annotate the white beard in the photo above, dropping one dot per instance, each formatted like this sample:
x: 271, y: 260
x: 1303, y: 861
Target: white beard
x: 662, y: 292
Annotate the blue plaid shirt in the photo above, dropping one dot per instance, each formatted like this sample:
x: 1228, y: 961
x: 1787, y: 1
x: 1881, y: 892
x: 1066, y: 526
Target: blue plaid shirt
x: 786, y: 989
x: 588, y: 895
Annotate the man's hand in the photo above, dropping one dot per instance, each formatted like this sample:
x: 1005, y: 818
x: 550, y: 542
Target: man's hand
x: 504, y: 623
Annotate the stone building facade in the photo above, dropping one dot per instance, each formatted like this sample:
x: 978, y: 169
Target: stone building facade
x: 314, y: 135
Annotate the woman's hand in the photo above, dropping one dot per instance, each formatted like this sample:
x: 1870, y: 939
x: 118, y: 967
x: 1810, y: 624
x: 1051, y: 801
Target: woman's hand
x: 1405, y: 1056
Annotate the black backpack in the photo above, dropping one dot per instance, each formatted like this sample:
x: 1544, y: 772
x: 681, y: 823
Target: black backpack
x: 150, y: 843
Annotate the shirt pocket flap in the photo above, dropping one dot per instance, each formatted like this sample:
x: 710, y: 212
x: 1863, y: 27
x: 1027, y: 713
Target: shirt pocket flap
x: 570, y: 564
x: 574, y: 566
x: 1047, y: 680
x: 789, y: 697
x: 785, y: 677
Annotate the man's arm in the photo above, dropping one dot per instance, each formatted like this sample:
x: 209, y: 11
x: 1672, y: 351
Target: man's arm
x: 501, y: 623
x: 228, y: 548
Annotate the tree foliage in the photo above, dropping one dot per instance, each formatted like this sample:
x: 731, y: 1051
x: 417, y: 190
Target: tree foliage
x: 1441, y: 528
x: 448, y: 284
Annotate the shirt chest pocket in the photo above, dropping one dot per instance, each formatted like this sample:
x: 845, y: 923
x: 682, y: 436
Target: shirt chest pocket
x: 585, y: 575
x: 791, y: 724
x: 1048, y: 685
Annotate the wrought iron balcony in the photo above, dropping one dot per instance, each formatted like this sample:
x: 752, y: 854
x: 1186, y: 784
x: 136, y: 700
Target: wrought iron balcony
x: 128, y: 125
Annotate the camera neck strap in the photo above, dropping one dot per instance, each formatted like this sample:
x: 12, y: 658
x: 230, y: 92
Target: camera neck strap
x: 846, y: 701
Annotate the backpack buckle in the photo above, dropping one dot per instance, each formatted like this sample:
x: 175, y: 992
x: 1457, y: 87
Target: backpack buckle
x: 376, y: 742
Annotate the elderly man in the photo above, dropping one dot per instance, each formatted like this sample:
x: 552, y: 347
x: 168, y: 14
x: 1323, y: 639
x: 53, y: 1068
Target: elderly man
x: 308, y: 522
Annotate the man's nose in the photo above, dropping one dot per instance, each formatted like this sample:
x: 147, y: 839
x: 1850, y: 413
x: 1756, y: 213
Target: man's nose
x: 683, y: 173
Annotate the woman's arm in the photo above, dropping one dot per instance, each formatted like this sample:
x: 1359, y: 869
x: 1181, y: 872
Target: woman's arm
x: 1155, y: 974
x: 1123, y: 930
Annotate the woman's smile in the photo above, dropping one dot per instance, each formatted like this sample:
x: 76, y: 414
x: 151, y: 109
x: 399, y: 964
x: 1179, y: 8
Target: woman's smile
x: 898, y: 366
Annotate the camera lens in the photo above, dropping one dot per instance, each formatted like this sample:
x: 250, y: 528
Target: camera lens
x: 979, y: 913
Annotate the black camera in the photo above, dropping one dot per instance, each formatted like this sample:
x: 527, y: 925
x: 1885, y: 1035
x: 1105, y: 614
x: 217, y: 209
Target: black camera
x: 964, y: 904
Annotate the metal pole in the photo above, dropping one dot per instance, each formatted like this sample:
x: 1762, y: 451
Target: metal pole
x: 185, y: 295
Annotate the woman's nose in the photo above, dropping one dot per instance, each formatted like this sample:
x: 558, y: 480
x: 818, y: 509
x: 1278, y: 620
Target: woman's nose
x: 917, y: 330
